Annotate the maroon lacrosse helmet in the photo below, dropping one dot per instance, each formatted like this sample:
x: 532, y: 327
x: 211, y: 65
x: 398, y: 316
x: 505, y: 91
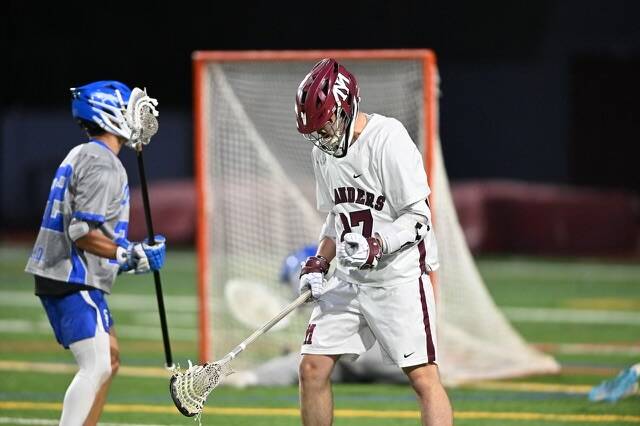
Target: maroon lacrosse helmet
x: 326, y: 105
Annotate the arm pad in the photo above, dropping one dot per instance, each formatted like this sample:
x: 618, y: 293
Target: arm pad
x: 78, y: 229
x: 407, y: 230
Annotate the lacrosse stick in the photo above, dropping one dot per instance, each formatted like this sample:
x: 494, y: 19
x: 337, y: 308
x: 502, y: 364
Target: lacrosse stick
x: 141, y: 116
x: 190, y: 388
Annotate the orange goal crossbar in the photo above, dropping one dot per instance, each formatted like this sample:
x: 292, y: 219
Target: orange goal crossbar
x: 200, y: 59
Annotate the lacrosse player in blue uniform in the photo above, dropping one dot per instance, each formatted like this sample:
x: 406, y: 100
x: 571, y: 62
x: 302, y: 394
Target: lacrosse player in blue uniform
x: 82, y: 243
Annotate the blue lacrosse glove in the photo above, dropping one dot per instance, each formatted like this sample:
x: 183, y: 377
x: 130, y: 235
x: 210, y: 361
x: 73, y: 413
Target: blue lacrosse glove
x: 155, y: 253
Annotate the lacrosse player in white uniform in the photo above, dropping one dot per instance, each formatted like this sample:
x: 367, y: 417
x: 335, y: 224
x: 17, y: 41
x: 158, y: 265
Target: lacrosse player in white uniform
x: 82, y: 243
x: 371, y: 182
x: 283, y: 370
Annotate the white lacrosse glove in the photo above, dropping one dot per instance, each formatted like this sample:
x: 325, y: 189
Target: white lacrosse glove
x: 356, y: 251
x: 140, y: 258
x: 131, y: 258
x: 141, y: 118
x: 312, y: 276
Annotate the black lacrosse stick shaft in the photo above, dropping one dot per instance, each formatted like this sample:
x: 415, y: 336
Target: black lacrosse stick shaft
x: 156, y: 274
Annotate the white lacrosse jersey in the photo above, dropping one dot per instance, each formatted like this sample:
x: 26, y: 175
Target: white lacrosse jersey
x: 381, y: 175
x: 90, y: 185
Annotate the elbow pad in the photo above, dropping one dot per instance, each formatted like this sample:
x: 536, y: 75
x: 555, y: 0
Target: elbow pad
x: 77, y: 229
x: 406, y: 231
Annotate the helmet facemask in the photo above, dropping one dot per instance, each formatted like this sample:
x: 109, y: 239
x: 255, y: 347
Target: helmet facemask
x: 112, y: 117
x: 337, y: 134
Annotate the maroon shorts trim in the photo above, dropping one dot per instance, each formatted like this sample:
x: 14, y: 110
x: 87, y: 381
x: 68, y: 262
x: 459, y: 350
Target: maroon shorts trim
x: 431, y: 350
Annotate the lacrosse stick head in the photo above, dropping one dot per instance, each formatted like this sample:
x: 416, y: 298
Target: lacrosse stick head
x: 190, y: 388
x: 141, y: 116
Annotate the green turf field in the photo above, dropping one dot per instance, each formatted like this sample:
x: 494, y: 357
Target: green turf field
x: 585, y: 313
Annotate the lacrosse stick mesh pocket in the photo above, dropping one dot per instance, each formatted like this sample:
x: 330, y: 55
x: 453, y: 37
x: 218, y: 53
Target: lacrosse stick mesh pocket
x: 190, y: 389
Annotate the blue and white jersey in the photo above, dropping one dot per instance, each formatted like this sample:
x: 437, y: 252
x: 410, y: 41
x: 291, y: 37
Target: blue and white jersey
x: 90, y: 185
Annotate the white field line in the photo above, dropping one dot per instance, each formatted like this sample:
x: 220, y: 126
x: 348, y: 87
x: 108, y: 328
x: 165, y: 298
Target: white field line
x: 21, y: 421
x: 151, y: 319
x: 63, y: 368
x: 139, y: 332
x: 141, y: 303
x: 577, y: 316
x: 147, y: 331
x: 123, y: 302
x: 562, y: 271
x: 630, y: 349
x: 146, y: 320
x: 188, y: 304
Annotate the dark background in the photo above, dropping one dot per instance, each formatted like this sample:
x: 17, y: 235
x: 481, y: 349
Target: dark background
x: 535, y: 91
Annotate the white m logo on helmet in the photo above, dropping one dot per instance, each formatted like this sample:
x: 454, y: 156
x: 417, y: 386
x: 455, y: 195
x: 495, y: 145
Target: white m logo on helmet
x: 340, y: 89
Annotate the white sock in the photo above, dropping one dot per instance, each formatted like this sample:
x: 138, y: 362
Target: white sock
x: 93, y: 356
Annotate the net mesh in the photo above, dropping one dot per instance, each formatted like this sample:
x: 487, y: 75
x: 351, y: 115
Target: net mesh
x: 260, y: 193
x: 191, y: 388
x: 149, y: 125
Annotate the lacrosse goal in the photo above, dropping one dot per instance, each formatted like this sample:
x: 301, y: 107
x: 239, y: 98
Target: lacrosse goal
x: 256, y: 203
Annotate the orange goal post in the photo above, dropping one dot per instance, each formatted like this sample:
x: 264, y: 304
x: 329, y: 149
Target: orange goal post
x: 256, y: 204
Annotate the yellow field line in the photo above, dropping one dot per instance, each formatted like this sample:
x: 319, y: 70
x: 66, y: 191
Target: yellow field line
x: 293, y: 412
x: 529, y: 387
x: 161, y: 373
x: 58, y: 368
x: 596, y: 418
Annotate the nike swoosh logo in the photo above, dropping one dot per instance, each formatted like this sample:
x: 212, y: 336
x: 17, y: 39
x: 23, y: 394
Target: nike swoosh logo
x: 408, y: 355
x: 355, y: 176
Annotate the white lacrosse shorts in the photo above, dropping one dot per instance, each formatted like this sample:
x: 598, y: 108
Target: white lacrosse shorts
x: 349, y: 318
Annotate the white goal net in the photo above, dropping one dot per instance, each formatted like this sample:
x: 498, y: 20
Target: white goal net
x: 257, y: 202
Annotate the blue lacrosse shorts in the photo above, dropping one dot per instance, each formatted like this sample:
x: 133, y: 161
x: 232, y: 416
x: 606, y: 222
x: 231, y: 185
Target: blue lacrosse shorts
x: 77, y: 316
